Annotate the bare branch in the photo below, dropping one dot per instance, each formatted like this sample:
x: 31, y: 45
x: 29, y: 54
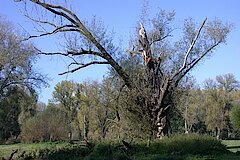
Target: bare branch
x: 58, y: 29
x: 52, y: 8
x: 78, y: 26
x: 189, y: 51
x: 40, y: 21
x: 71, y: 53
x: 195, y: 62
x: 159, y: 39
x: 83, y: 66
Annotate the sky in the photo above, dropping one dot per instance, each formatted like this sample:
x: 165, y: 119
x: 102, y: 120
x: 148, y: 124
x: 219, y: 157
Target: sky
x: 122, y: 16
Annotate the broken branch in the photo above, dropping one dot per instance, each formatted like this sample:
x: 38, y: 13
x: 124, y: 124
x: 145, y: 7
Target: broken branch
x: 83, y: 66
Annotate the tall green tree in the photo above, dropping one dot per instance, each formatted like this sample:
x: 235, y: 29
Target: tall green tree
x: 15, y: 108
x: 96, y: 114
x: 9, y: 112
x: 235, y: 116
x: 67, y: 95
x: 164, y: 65
x: 18, y: 80
x: 220, y: 96
x: 188, y: 100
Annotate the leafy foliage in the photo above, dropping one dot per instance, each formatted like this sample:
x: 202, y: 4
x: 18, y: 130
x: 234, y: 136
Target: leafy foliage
x: 235, y: 116
x: 16, y: 106
x: 177, y: 147
x: 50, y: 125
x: 18, y: 80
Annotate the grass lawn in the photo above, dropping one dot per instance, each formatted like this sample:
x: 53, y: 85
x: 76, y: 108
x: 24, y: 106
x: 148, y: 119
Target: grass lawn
x: 162, y: 150
x: 6, y: 150
x: 232, y: 143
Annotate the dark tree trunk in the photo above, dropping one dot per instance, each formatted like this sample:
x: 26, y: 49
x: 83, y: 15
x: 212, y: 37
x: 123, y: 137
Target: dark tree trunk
x: 158, y: 104
x: 158, y: 85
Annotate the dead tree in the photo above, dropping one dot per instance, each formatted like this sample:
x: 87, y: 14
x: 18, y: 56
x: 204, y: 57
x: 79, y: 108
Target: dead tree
x: 160, y: 84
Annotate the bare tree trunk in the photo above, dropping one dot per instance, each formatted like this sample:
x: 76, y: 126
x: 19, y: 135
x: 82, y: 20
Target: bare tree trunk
x: 158, y: 84
x: 86, y: 127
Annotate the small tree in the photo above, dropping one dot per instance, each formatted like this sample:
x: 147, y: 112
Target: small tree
x: 235, y: 117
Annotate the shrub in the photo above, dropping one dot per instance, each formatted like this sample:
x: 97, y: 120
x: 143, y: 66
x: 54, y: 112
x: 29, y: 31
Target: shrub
x: 193, y: 144
x: 50, y: 125
x: 70, y: 152
x: 183, y: 144
x: 179, y: 147
x: 105, y: 151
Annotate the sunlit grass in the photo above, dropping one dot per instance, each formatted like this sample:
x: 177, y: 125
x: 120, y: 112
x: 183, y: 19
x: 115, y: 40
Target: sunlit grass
x: 232, y: 143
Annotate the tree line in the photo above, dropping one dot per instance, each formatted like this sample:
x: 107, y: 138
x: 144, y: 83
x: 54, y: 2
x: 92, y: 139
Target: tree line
x: 98, y: 111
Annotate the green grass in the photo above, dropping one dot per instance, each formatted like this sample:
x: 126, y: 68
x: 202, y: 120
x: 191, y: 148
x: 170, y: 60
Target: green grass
x: 180, y: 147
x: 232, y: 143
x: 6, y: 150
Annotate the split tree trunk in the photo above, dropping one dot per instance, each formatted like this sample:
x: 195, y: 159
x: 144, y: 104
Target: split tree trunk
x: 158, y: 85
x: 161, y: 85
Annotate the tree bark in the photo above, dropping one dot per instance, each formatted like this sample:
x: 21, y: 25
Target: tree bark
x: 159, y: 88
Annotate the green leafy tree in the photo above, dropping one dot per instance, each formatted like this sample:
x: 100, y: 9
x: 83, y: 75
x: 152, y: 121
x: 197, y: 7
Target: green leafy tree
x: 220, y: 96
x: 67, y: 95
x: 15, y: 108
x: 235, y: 116
x: 28, y: 104
x: 18, y: 80
x: 95, y: 114
x: 9, y: 112
x: 161, y: 72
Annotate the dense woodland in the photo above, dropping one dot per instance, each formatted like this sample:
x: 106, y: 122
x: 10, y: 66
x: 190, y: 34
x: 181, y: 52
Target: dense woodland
x: 148, y: 92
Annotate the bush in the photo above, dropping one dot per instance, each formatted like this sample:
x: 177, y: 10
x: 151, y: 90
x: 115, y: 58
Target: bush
x: 107, y: 151
x: 179, y: 147
x: 192, y: 144
x: 50, y: 125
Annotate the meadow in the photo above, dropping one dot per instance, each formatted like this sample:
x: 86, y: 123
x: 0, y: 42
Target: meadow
x: 193, y: 147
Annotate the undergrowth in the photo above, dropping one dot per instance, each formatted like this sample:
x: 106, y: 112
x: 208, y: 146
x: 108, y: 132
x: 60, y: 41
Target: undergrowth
x: 179, y: 147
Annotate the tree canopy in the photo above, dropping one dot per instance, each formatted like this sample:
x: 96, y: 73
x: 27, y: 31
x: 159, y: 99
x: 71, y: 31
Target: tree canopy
x: 18, y: 80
